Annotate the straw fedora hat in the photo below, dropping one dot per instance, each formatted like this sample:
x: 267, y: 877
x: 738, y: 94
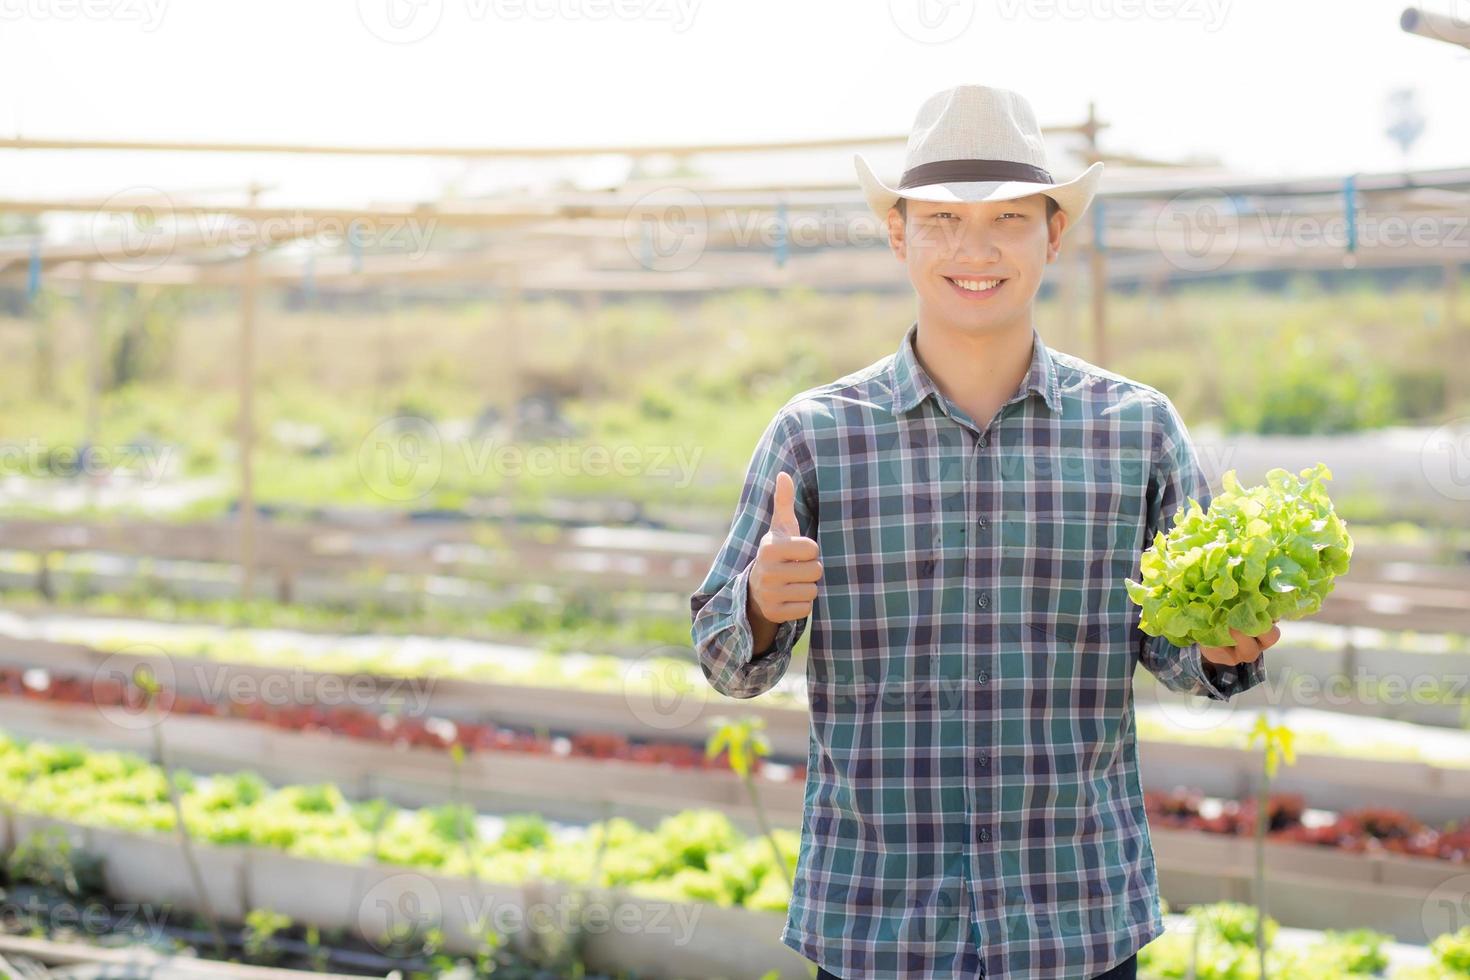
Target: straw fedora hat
x: 977, y: 143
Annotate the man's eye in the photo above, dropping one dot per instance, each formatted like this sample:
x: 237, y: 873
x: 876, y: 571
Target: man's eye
x: 945, y: 214
x: 1013, y: 214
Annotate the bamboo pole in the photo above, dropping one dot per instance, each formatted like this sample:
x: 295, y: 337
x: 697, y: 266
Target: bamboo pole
x: 514, y: 362
x: 465, y: 152
x: 1096, y: 259
x: 593, y: 355
x: 1099, y: 268
x: 514, y: 366
x: 1071, y: 288
x: 246, y: 421
x: 92, y: 343
x: 1457, y: 383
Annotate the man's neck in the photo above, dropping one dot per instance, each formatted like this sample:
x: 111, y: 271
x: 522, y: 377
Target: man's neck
x: 976, y: 370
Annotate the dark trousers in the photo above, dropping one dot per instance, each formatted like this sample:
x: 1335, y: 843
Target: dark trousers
x: 1126, y: 970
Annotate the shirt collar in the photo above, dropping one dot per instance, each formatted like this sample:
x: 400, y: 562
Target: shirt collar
x: 911, y: 383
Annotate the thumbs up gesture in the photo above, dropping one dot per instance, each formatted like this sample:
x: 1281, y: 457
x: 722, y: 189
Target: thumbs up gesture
x: 783, y: 583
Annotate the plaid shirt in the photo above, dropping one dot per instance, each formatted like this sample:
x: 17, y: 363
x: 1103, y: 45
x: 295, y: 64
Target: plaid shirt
x: 972, y: 800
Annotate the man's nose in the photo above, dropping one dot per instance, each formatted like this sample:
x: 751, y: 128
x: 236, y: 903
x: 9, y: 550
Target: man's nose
x: 975, y: 243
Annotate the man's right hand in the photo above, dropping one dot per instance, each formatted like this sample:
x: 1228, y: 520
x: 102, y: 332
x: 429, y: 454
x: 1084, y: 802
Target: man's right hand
x: 783, y: 583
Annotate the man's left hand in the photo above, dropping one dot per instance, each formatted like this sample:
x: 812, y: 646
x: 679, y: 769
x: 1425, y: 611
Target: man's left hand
x: 1246, y: 649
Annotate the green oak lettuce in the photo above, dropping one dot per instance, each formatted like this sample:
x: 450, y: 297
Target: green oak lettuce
x: 693, y: 855
x: 1257, y: 555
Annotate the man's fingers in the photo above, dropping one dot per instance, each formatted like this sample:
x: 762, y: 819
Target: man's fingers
x: 1246, y: 647
x: 795, y: 592
x: 1232, y: 655
x: 1257, y: 644
x: 790, y: 549
x: 783, y: 514
x: 786, y: 611
x: 774, y: 574
x: 801, y: 571
x: 1224, y: 656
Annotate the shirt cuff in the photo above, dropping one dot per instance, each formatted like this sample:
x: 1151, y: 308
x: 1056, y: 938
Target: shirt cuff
x: 1223, y: 682
x: 758, y: 674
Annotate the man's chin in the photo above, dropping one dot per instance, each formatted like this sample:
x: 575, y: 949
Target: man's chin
x: 970, y: 318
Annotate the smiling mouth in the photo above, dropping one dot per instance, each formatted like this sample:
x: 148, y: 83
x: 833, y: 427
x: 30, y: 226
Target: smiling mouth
x: 975, y: 287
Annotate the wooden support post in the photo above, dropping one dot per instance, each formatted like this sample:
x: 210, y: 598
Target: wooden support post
x: 1071, y: 289
x: 1097, y: 261
x: 246, y: 421
x: 1457, y: 345
x: 592, y: 372
x: 43, y: 576
x: 1098, y: 264
x: 513, y: 352
x: 92, y: 343
x: 285, y: 585
x: 515, y: 368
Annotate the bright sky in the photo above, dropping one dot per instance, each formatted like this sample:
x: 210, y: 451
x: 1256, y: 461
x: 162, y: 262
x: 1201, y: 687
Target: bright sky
x: 1268, y: 86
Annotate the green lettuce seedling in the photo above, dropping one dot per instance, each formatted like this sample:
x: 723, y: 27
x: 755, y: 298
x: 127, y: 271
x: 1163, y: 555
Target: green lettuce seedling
x: 1257, y: 555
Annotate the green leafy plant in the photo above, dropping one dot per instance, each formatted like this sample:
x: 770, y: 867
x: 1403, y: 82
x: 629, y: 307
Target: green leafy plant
x: 694, y: 855
x: 1234, y: 922
x: 1222, y: 942
x: 1278, y: 743
x: 744, y: 741
x: 316, y: 954
x: 1257, y: 555
x: 261, y: 927
x: 144, y: 680
x: 1355, y: 950
x: 1452, y: 951
x: 1218, y: 943
x: 47, y: 858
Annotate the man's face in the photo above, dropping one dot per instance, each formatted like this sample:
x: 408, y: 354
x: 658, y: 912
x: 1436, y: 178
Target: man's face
x: 955, y: 253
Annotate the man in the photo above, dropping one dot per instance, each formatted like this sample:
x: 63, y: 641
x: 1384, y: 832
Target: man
x: 956, y: 520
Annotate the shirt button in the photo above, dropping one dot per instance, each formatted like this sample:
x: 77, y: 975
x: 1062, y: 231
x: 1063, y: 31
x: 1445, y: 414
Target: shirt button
x: 983, y: 442
x: 984, y: 760
x: 983, y: 601
x: 985, y: 834
x: 983, y: 676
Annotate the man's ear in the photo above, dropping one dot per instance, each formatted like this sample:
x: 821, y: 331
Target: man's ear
x: 1054, y: 229
x: 896, y: 241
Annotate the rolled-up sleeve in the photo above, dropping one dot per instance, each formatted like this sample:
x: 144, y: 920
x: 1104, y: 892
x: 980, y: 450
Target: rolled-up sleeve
x: 721, y: 630
x: 1175, y: 478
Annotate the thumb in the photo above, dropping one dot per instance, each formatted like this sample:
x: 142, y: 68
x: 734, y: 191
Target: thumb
x: 783, y: 515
